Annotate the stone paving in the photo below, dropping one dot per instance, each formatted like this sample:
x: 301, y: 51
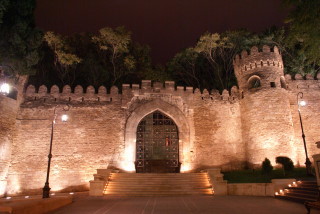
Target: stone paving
x: 182, y: 204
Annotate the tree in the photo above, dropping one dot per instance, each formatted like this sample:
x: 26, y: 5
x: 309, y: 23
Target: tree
x: 92, y: 69
x: 64, y: 60
x: 210, y: 63
x: 184, y: 68
x: 116, y: 42
x: 286, y: 163
x: 19, y: 39
x: 214, y: 48
x: 78, y: 60
x: 3, y: 7
x: 303, y: 34
x: 266, y: 166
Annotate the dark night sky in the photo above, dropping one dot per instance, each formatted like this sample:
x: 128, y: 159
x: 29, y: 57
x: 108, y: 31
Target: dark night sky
x: 167, y: 26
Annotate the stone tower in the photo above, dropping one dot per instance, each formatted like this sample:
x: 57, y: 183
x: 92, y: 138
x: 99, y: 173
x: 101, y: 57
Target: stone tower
x: 267, y: 128
x: 8, y: 114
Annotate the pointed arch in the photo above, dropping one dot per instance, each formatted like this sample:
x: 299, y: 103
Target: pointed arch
x: 138, y: 114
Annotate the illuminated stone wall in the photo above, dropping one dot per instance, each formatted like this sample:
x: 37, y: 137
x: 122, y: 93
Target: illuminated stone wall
x: 229, y: 130
x: 102, y: 128
x: 265, y: 109
x: 90, y: 140
x: 8, y: 112
x: 218, y: 138
x: 8, y: 109
x: 310, y: 114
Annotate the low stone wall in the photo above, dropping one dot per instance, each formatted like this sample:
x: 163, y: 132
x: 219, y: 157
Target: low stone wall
x: 34, y: 206
x: 316, y: 164
x: 258, y: 189
x: 253, y: 189
x: 100, y: 181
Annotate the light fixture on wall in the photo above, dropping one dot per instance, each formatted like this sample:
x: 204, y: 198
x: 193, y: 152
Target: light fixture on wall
x: 4, y: 86
x: 8, y: 78
x: 301, y: 103
x: 64, y: 118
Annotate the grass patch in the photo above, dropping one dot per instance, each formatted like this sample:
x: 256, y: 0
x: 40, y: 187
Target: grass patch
x: 256, y: 176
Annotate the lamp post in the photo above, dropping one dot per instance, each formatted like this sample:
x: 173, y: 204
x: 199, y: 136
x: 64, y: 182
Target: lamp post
x: 300, y: 103
x: 64, y: 118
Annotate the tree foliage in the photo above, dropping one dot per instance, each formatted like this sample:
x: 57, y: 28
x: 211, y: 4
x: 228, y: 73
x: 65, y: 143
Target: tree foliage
x: 184, y: 68
x: 303, y: 35
x: 286, y: 163
x: 116, y: 42
x: 209, y: 64
x: 111, y: 57
x: 108, y: 58
x: 19, y: 39
x: 64, y: 61
x: 266, y: 166
x: 217, y: 50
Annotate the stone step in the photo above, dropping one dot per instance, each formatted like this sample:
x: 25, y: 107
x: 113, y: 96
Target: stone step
x: 304, y: 191
x: 158, y: 182
x: 158, y: 188
x: 169, y: 177
x: 294, y: 198
x: 155, y: 175
x: 159, y: 192
x: 148, y: 184
x: 172, y: 178
x: 312, y: 191
x: 156, y: 195
x: 302, y: 195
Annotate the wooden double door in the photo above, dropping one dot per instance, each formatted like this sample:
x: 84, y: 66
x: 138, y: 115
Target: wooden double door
x: 157, y: 145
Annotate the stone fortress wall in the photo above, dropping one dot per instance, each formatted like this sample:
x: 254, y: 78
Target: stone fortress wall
x: 228, y: 130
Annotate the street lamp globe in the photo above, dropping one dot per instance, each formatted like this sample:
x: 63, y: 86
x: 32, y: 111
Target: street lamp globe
x: 302, y: 103
x: 64, y: 118
x: 5, y: 88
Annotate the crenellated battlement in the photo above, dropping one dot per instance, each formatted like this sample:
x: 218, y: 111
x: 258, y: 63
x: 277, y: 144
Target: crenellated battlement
x: 66, y: 94
x: 255, y: 59
x: 300, y: 77
x: 146, y: 89
x: 299, y: 82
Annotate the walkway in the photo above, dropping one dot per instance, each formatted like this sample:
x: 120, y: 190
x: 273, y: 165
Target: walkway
x: 181, y: 205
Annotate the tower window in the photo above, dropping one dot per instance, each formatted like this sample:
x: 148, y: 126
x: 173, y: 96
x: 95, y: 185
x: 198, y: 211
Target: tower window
x: 272, y: 84
x: 254, y: 82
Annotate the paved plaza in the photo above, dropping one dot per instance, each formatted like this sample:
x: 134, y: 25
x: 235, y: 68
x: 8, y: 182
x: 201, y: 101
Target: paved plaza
x: 183, y: 205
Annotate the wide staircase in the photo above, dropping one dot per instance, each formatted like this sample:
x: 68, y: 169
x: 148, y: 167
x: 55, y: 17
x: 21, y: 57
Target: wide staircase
x: 161, y: 184
x: 300, y: 191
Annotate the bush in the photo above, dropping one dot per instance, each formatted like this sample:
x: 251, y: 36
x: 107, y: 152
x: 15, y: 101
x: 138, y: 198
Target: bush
x: 286, y: 163
x: 266, y: 166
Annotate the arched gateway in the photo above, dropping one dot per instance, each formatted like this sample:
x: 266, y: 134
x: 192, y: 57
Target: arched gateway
x: 157, y: 144
x: 129, y: 156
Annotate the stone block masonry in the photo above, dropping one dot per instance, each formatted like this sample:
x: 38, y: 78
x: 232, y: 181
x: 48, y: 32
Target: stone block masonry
x: 230, y: 130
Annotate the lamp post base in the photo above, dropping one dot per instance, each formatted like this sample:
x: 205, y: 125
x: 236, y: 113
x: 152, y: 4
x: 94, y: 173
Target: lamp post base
x: 308, y: 167
x: 46, y: 191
